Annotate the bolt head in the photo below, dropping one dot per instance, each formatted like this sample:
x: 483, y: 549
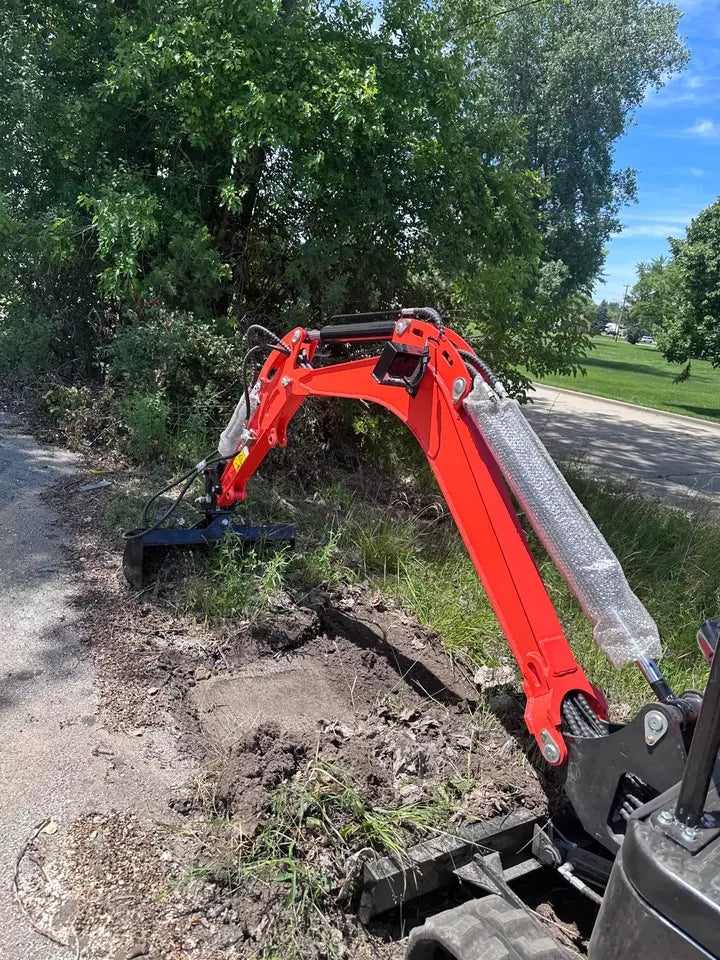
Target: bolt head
x: 285, y: 381
x: 296, y: 336
x: 549, y: 749
x: 689, y: 833
x: 401, y: 326
x: 458, y: 388
x: 665, y: 817
x: 655, y: 721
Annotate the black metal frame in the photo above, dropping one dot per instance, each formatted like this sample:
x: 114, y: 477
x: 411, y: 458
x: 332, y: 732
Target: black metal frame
x: 702, y: 754
x: 389, y: 882
x: 384, y: 372
x: 596, y: 767
x: 211, y: 529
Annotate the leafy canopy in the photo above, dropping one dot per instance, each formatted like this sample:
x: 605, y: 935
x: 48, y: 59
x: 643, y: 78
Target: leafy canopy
x: 679, y: 296
x: 183, y: 165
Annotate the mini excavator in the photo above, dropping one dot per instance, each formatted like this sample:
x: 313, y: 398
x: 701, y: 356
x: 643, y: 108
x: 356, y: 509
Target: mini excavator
x: 644, y: 841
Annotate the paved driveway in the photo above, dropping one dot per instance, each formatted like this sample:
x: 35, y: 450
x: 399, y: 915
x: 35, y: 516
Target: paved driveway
x: 672, y: 456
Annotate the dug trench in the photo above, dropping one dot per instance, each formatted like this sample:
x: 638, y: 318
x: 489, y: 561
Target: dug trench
x: 332, y: 732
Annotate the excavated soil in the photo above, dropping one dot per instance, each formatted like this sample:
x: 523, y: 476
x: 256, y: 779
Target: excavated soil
x: 341, y: 680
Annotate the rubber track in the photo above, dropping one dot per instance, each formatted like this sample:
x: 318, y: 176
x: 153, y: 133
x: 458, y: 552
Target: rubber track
x: 484, y: 929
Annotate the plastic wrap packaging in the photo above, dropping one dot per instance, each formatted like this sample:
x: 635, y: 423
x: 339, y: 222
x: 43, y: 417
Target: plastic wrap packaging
x: 622, y: 627
x: 234, y: 433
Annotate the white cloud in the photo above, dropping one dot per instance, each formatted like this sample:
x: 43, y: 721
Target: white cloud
x: 705, y: 128
x: 650, y: 230
x: 678, y: 218
x: 690, y: 89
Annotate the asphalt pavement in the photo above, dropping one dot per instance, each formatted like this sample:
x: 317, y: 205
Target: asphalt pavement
x: 673, y: 457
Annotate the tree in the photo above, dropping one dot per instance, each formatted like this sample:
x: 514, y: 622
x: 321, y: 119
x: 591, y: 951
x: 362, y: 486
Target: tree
x: 574, y: 72
x: 654, y: 298
x: 691, y: 318
x: 678, y: 297
x: 173, y: 168
x: 601, y: 317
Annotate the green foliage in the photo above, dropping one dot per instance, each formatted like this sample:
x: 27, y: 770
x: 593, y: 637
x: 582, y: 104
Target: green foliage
x: 692, y: 329
x: 574, y: 72
x: 183, y: 355
x: 26, y: 344
x: 241, y: 583
x: 678, y: 297
x: 656, y: 297
x: 414, y: 554
x: 601, y: 318
x: 62, y: 402
x: 174, y: 167
x: 317, y: 821
x: 146, y: 416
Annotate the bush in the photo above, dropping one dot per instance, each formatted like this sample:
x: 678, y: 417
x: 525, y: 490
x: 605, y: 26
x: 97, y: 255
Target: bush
x: 146, y: 418
x: 26, y: 344
x: 173, y: 351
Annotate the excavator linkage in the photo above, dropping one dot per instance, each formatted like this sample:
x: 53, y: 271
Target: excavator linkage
x: 622, y: 780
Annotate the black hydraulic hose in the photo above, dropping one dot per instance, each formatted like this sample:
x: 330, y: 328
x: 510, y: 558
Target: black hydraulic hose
x: 193, y: 472
x: 277, y: 344
x: 581, y: 718
x: 480, y: 365
x: 268, y: 333
x: 592, y: 718
x: 176, y: 503
x: 246, y: 386
x: 190, y: 477
x: 579, y: 727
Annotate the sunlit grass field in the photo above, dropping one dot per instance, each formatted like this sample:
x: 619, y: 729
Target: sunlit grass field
x: 640, y: 374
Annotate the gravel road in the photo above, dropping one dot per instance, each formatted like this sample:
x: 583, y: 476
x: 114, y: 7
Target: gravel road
x: 56, y: 761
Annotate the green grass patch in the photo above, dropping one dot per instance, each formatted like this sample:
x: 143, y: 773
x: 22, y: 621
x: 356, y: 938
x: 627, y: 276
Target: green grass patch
x: 640, y: 374
x: 317, y: 823
x: 671, y: 559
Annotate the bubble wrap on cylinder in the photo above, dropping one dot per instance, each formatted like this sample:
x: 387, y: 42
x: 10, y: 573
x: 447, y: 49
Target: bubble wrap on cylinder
x: 232, y: 435
x: 622, y: 627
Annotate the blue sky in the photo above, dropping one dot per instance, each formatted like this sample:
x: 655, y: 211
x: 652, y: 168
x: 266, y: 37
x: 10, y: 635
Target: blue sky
x: 675, y: 148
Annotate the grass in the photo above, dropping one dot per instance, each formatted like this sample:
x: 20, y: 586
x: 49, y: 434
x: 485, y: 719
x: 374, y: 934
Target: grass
x: 409, y: 550
x: 306, y: 861
x: 640, y: 374
x: 671, y: 559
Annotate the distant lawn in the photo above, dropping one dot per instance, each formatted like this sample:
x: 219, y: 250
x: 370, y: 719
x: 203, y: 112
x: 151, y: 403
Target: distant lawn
x: 640, y: 374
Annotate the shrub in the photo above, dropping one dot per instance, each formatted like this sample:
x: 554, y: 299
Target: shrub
x: 26, y: 344
x: 146, y: 417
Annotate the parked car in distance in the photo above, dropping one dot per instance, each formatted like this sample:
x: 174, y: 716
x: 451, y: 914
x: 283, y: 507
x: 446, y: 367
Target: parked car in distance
x: 645, y: 339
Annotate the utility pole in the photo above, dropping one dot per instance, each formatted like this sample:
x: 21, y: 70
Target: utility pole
x: 622, y: 312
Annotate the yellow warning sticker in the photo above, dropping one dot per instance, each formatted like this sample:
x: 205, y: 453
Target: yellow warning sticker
x: 240, y: 458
